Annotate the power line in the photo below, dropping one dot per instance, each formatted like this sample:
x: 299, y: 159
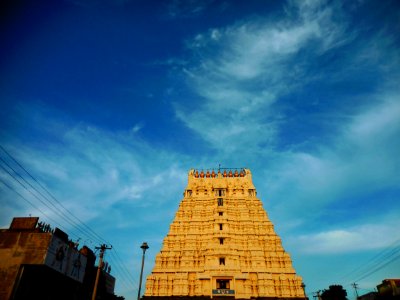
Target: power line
x: 90, y: 230
x: 378, y: 268
x: 35, y: 207
x: 28, y: 183
x: 126, y: 275
x: 78, y: 225
x: 374, y: 261
x: 57, y: 212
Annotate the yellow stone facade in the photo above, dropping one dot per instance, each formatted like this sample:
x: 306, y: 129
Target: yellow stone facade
x: 221, y: 243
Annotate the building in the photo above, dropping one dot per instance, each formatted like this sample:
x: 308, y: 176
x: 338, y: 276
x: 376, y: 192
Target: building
x: 221, y: 244
x: 389, y: 289
x: 37, y: 262
x: 368, y: 296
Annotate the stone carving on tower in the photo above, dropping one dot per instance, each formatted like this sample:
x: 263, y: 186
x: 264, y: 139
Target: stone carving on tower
x: 221, y: 243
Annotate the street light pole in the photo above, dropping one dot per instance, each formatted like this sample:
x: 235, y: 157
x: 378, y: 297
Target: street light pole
x: 144, y: 248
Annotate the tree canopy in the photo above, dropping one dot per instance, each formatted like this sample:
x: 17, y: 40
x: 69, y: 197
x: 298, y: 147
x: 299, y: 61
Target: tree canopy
x: 335, y: 292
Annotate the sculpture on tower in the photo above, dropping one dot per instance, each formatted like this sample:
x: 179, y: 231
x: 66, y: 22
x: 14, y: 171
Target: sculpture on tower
x: 221, y: 243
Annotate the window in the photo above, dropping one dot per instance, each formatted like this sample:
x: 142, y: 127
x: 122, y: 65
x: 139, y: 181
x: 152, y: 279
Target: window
x: 220, y: 192
x: 222, y: 261
x: 220, y: 213
x: 220, y: 202
x: 221, y: 241
x: 220, y: 226
x: 223, y: 284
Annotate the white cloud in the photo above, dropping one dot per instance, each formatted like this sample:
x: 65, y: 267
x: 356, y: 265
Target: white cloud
x: 241, y: 78
x: 137, y: 127
x: 241, y: 71
x: 215, y: 34
x: 346, y: 240
x: 360, y: 161
x: 257, y: 50
x: 92, y: 171
x: 188, y: 8
x: 378, y: 122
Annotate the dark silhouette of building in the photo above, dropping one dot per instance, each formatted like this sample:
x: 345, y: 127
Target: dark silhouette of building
x: 39, y: 262
x: 389, y: 289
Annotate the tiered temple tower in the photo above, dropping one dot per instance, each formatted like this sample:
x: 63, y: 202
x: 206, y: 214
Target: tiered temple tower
x: 222, y: 244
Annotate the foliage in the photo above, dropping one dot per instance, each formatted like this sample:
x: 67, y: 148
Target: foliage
x: 335, y: 292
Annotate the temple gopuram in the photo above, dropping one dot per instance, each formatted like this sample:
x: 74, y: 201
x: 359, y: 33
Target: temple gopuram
x: 221, y: 244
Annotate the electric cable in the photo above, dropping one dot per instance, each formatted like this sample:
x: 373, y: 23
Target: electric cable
x: 83, y: 228
x: 34, y: 206
x: 34, y: 195
x: 378, y: 268
x: 380, y: 257
x: 124, y: 272
x: 124, y: 279
x: 52, y: 196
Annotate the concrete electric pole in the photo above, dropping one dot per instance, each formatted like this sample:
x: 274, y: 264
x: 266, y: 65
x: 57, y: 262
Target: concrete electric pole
x: 102, y: 248
x: 355, y: 286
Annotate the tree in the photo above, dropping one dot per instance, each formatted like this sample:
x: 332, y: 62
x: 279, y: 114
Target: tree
x: 335, y: 292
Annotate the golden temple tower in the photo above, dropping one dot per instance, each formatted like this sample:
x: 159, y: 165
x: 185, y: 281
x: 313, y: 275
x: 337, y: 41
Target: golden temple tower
x: 222, y: 244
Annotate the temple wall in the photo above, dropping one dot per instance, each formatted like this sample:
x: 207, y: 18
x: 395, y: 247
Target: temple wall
x: 222, y: 243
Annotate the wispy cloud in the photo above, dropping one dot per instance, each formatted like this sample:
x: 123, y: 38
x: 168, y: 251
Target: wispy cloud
x: 243, y: 77
x: 306, y: 100
x: 137, y: 127
x: 187, y: 9
x: 361, y: 159
x: 346, y: 240
x: 118, y: 184
x: 241, y: 71
x: 92, y: 170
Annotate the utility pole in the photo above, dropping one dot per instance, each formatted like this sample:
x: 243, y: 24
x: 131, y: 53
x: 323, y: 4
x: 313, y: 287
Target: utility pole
x: 102, y: 248
x: 144, y: 248
x: 317, y: 295
x: 355, y: 286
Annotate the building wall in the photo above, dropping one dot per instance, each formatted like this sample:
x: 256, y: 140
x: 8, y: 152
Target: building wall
x: 17, y: 248
x: 389, y: 287
x: 37, y: 262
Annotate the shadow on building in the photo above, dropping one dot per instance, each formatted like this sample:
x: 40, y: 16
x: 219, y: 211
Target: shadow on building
x: 38, y: 262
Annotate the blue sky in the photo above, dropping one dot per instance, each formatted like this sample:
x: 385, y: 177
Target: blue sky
x: 110, y: 103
